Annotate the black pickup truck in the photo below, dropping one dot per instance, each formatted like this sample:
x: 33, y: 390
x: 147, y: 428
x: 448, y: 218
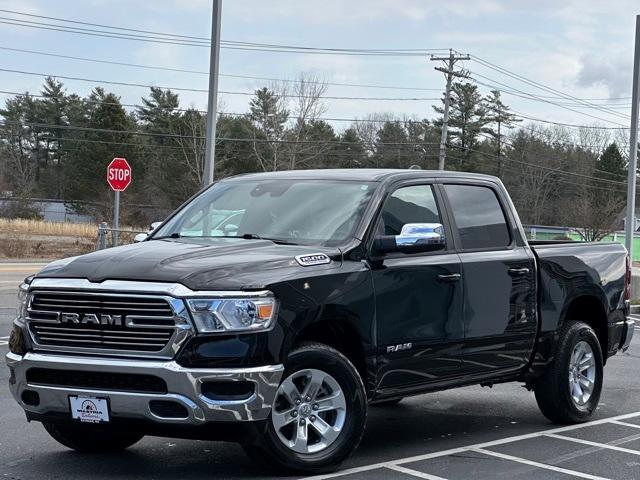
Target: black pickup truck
x: 274, y: 309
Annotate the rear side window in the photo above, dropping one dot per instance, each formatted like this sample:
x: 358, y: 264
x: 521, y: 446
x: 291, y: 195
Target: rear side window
x: 479, y: 217
x: 415, y: 204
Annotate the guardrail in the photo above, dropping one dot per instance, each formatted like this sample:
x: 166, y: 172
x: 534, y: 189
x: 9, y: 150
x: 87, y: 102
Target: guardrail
x: 103, y: 236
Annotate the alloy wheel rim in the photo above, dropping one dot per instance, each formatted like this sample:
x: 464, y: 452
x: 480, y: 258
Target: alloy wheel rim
x: 309, y: 411
x: 582, y: 373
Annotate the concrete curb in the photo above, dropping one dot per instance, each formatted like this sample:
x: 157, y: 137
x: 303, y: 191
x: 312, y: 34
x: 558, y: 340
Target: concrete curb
x: 635, y: 309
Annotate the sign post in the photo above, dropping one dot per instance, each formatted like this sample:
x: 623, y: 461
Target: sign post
x: 118, y: 178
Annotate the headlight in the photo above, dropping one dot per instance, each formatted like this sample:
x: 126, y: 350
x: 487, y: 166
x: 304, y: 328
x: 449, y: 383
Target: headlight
x: 23, y: 300
x: 233, y: 314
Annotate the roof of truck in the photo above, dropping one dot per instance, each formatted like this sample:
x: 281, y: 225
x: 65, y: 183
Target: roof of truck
x: 360, y: 174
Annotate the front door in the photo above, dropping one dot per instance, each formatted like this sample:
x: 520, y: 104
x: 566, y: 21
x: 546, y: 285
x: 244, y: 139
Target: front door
x: 418, y: 298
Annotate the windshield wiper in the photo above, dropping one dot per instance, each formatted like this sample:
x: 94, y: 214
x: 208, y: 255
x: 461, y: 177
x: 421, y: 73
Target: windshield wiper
x: 254, y: 236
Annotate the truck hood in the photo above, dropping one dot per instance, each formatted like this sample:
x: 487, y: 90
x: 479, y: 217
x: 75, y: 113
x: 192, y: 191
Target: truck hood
x: 200, y: 264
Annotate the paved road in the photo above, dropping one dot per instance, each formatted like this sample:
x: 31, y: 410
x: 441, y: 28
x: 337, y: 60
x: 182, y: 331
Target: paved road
x: 469, y: 433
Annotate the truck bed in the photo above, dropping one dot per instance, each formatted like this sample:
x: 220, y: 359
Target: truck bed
x: 568, y: 270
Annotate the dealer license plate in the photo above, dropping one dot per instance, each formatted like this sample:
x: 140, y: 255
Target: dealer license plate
x: 89, y: 409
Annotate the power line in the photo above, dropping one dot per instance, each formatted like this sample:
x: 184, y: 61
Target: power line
x: 200, y: 72
x: 543, y: 87
x: 572, y: 125
x: 531, y: 96
x: 197, y: 137
x: 541, y: 167
x: 250, y: 140
x: 203, y: 90
x: 176, y: 39
x: 558, y: 158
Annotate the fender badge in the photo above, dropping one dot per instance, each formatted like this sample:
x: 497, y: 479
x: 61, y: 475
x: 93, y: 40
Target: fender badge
x: 312, y: 259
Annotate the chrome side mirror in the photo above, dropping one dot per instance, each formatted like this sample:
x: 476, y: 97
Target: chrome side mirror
x: 413, y: 238
x: 141, y: 237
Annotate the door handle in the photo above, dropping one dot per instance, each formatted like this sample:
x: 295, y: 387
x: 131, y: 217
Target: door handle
x: 449, y: 278
x: 518, y: 272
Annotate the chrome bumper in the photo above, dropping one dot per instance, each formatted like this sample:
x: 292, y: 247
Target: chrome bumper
x: 183, y: 386
x: 627, y: 333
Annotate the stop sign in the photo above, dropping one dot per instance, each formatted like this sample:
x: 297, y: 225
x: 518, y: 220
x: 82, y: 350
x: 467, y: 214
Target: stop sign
x: 119, y: 174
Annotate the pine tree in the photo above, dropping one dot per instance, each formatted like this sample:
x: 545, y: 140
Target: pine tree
x: 611, y: 164
x: 500, y: 116
x: 467, y: 119
x: 392, y: 146
x: 269, y: 115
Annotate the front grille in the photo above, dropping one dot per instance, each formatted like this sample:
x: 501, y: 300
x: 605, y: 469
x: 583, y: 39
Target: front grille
x: 124, y: 382
x: 101, y: 321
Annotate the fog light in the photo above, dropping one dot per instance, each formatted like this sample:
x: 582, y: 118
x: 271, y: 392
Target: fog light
x: 29, y: 397
x: 16, y: 341
x: 228, y: 391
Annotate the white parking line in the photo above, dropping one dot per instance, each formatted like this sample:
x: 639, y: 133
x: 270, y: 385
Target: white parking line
x: 626, y: 424
x: 539, y: 465
x: 413, y: 473
x: 493, y: 443
x: 594, y: 444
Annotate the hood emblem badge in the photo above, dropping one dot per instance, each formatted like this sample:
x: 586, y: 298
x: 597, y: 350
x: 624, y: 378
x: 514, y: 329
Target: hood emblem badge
x: 312, y: 259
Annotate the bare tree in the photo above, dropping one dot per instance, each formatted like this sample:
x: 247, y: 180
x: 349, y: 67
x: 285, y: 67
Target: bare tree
x: 308, y: 107
x: 368, y: 128
x: 17, y: 155
x: 594, y: 212
x: 189, y: 131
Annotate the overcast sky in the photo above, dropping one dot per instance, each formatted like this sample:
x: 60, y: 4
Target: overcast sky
x: 581, y: 47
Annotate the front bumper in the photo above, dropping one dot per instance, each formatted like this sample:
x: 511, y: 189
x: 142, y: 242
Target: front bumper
x: 183, y: 386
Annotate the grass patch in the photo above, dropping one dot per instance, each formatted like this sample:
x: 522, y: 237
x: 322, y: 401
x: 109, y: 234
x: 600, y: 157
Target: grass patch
x: 40, y: 227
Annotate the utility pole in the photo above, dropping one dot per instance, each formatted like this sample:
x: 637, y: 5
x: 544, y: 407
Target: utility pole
x: 212, y: 105
x: 633, y: 154
x: 449, y: 72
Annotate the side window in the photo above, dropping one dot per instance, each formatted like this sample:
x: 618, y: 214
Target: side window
x: 415, y: 204
x: 479, y: 217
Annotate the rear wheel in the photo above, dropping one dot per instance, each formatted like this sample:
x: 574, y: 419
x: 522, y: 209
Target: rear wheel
x: 91, y: 439
x: 319, y: 413
x: 569, y: 392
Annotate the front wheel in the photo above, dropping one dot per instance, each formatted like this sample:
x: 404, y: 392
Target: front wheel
x: 90, y: 439
x: 570, y: 389
x: 319, y: 413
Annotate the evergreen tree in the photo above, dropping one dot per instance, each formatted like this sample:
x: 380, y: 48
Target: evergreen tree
x: 350, y: 153
x: 269, y: 114
x: 85, y: 169
x: 611, y: 165
x: 500, y: 118
x: 467, y: 119
x: 392, y: 147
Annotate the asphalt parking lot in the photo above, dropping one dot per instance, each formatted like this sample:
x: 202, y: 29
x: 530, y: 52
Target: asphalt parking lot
x: 469, y: 433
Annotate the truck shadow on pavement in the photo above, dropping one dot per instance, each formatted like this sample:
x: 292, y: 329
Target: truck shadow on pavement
x: 418, y: 425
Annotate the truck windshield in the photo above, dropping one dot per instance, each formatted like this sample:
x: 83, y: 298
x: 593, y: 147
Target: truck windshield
x: 308, y: 212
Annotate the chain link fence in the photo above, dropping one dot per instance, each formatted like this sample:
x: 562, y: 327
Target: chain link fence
x: 111, y: 237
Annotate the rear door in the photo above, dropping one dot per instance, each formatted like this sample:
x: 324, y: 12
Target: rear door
x: 418, y: 297
x: 498, y: 276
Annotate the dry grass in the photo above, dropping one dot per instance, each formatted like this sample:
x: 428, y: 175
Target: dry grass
x: 40, y: 227
x: 40, y: 239
x: 14, y: 246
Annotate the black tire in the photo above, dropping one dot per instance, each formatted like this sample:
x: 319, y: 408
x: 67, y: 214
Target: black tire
x: 90, y: 439
x: 271, y: 451
x: 552, y: 390
x: 387, y: 403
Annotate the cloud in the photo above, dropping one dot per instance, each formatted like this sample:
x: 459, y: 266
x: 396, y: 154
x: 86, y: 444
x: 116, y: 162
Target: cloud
x: 614, y: 73
x: 340, y: 11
